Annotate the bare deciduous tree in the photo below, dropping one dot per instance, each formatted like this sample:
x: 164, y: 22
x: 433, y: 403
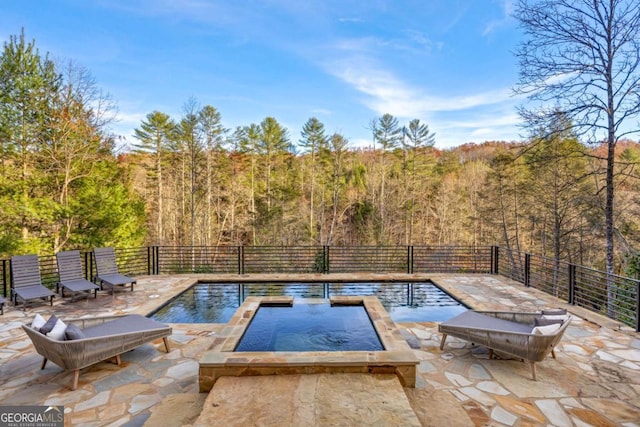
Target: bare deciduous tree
x: 583, y: 58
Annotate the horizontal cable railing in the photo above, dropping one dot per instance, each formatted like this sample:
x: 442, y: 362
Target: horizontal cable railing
x: 132, y: 261
x: 368, y: 259
x: 282, y: 259
x: 451, y: 259
x: 195, y: 259
x: 549, y: 275
x: 614, y: 296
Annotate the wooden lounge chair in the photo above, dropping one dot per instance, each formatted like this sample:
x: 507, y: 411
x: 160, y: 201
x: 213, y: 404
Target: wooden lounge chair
x: 71, y: 277
x: 26, y: 282
x: 107, y: 270
x: 102, y: 338
x: 507, y: 332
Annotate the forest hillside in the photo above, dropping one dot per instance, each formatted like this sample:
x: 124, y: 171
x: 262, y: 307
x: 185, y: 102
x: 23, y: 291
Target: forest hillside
x: 66, y: 182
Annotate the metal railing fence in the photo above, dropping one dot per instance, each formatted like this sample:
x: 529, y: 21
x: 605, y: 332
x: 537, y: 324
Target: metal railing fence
x: 615, y: 296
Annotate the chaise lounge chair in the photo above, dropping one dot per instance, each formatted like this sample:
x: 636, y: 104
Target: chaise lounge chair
x: 100, y: 338
x: 71, y: 277
x: 509, y: 332
x: 26, y: 283
x: 107, y: 269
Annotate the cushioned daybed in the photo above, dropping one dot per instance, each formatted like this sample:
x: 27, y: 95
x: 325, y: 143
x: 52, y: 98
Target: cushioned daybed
x: 78, y: 343
x: 529, y: 336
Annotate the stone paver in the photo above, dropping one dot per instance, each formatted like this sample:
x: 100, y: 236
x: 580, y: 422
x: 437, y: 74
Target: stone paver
x: 595, y: 379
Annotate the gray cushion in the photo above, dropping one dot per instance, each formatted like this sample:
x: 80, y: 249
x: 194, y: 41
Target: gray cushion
x: 555, y: 312
x: 48, y: 327
x: 540, y: 321
x: 123, y: 325
x: 73, y: 333
x: 471, y: 319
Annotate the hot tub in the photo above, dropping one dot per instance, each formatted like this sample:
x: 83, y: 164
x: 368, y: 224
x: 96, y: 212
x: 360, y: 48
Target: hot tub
x: 310, y: 325
x: 222, y: 359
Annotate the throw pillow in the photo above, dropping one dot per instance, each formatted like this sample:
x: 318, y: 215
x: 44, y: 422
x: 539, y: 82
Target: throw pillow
x: 48, y: 327
x: 545, y: 330
x: 73, y: 332
x: 57, y: 333
x: 38, y: 322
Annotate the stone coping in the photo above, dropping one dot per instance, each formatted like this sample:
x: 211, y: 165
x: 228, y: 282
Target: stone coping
x: 221, y: 360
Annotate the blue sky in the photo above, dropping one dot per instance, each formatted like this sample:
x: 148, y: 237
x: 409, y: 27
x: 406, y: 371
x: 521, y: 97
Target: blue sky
x: 448, y: 63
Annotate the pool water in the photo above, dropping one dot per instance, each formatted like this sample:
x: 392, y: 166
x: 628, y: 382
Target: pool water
x: 310, y: 327
x: 217, y: 302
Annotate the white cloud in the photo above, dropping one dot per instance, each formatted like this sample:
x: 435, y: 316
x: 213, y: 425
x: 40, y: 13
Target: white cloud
x: 351, y: 20
x: 500, y: 119
x: 496, y: 24
x: 131, y: 118
x: 387, y: 94
x: 360, y: 143
x: 483, y: 132
x: 322, y: 111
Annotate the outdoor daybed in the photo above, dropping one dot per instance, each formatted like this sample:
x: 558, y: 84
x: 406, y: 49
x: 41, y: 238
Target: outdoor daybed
x: 513, y: 333
x: 85, y: 342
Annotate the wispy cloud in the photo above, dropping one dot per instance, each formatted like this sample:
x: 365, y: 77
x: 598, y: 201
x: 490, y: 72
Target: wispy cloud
x: 351, y: 20
x: 322, y: 111
x: 385, y: 93
x: 495, y: 24
x: 505, y: 118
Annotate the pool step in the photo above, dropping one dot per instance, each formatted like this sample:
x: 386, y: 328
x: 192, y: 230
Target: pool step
x: 308, y: 400
x: 215, y: 365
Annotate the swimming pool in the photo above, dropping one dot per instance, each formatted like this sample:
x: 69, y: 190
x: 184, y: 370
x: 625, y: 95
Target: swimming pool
x: 310, y: 326
x: 216, y: 302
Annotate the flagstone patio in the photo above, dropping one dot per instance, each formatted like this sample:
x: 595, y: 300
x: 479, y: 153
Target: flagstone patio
x: 595, y: 379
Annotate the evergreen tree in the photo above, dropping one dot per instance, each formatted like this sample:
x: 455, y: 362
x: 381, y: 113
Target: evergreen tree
x: 28, y: 82
x: 416, y: 137
x: 388, y: 134
x: 216, y: 171
x: 313, y: 141
x: 154, y: 136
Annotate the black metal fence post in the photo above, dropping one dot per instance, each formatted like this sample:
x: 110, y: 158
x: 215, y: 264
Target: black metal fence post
x: 326, y: 259
x: 638, y: 307
x: 5, y: 276
x: 495, y: 252
x: 88, y: 266
x: 410, y: 259
x: 149, y: 260
x: 527, y: 270
x: 572, y: 284
x: 10, y: 281
x: 240, y: 259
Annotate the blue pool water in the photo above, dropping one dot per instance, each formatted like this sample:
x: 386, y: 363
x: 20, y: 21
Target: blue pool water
x: 217, y: 302
x: 310, y: 327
